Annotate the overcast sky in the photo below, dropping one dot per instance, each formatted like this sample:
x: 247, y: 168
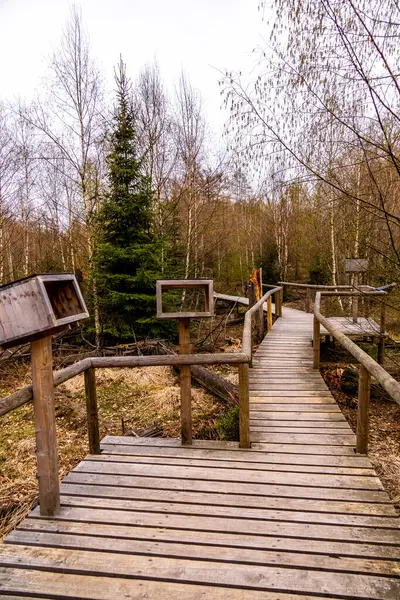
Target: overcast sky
x: 198, y: 36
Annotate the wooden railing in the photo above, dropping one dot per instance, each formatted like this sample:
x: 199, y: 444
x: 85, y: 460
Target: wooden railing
x: 368, y: 367
x: 310, y: 288
x: 257, y: 310
x: 48, y: 482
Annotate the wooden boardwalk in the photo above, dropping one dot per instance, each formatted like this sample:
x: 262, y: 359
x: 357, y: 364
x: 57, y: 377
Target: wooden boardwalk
x: 298, y: 516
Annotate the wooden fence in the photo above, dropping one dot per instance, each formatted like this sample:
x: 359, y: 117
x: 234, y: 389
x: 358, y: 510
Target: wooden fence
x: 48, y: 482
x: 368, y: 367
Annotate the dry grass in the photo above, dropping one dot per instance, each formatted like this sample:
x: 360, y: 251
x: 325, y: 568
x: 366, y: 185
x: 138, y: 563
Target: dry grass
x: 141, y: 397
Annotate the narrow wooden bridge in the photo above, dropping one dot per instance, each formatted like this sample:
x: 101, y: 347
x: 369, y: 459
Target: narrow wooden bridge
x: 299, y: 515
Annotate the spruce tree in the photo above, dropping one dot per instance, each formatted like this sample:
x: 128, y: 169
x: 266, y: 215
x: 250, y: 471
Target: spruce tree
x: 127, y: 255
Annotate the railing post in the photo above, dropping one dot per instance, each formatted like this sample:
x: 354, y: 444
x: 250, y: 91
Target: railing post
x: 308, y: 300
x: 185, y: 381
x: 244, y: 415
x: 276, y: 300
x: 278, y: 303
x: 381, y: 345
x: 261, y: 323
x: 91, y: 411
x: 281, y: 302
x: 45, y: 426
x: 316, y: 343
x: 269, y: 313
x: 364, y: 385
x: 355, y: 299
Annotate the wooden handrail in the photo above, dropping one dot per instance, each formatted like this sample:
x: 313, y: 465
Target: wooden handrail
x: 247, y: 346
x: 26, y: 394
x: 87, y: 366
x: 315, y: 287
x: 368, y: 364
x: 382, y: 377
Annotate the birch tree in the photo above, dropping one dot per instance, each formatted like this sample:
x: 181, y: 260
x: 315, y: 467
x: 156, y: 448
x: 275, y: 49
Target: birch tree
x: 71, y: 122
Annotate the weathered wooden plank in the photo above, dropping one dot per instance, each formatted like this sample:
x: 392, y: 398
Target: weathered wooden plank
x: 282, y: 414
x: 290, y: 394
x: 264, y: 514
x: 192, y: 571
x: 262, y: 400
x: 220, y: 499
x: 303, y: 438
x: 233, y: 525
x: 315, y: 426
x: 252, y: 455
x: 233, y: 464
x: 211, y: 553
x: 262, y: 427
x: 304, y: 448
x: 314, y: 409
x: 230, y: 487
x: 245, y: 540
x: 91, y: 587
x: 255, y: 388
x: 170, y: 442
x: 246, y: 475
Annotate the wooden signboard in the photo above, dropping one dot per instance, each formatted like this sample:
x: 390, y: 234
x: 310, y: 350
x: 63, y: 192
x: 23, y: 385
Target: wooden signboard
x: 39, y: 306
x: 356, y: 265
x: 202, y: 285
x: 205, y: 286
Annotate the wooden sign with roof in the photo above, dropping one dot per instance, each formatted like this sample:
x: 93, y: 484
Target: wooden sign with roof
x: 39, y: 306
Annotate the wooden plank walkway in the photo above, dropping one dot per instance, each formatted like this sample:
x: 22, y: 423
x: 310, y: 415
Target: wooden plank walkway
x: 298, y: 516
x: 365, y: 327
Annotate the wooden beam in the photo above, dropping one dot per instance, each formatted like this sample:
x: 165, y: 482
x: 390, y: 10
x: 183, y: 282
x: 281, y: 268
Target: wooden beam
x: 91, y: 412
x: 355, y: 299
x: 382, y: 326
x: 244, y: 417
x: 269, y: 313
x: 45, y: 426
x: 316, y: 344
x: 364, y: 386
x: 185, y: 381
x: 308, y: 300
x: 25, y: 394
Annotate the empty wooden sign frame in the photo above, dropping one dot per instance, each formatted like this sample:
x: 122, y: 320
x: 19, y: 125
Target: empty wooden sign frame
x: 205, y: 286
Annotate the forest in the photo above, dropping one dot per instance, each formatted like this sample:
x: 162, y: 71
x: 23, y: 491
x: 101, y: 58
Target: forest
x: 306, y: 175
x: 125, y: 186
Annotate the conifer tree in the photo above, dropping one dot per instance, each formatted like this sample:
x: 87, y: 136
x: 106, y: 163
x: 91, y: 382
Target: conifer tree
x: 127, y: 264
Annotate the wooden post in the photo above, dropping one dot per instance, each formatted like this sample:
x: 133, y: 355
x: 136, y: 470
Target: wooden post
x: 276, y: 300
x: 45, y: 426
x: 257, y: 318
x: 281, y: 302
x: 244, y: 415
x: 186, y: 387
x: 355, y: 299
x: 261, y: 323
x: 381, y: 345
x: 269, y: 313
x: 308, y: 300
x: 91, y: 412
x: 316, y: 343
x: 364, y: 385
